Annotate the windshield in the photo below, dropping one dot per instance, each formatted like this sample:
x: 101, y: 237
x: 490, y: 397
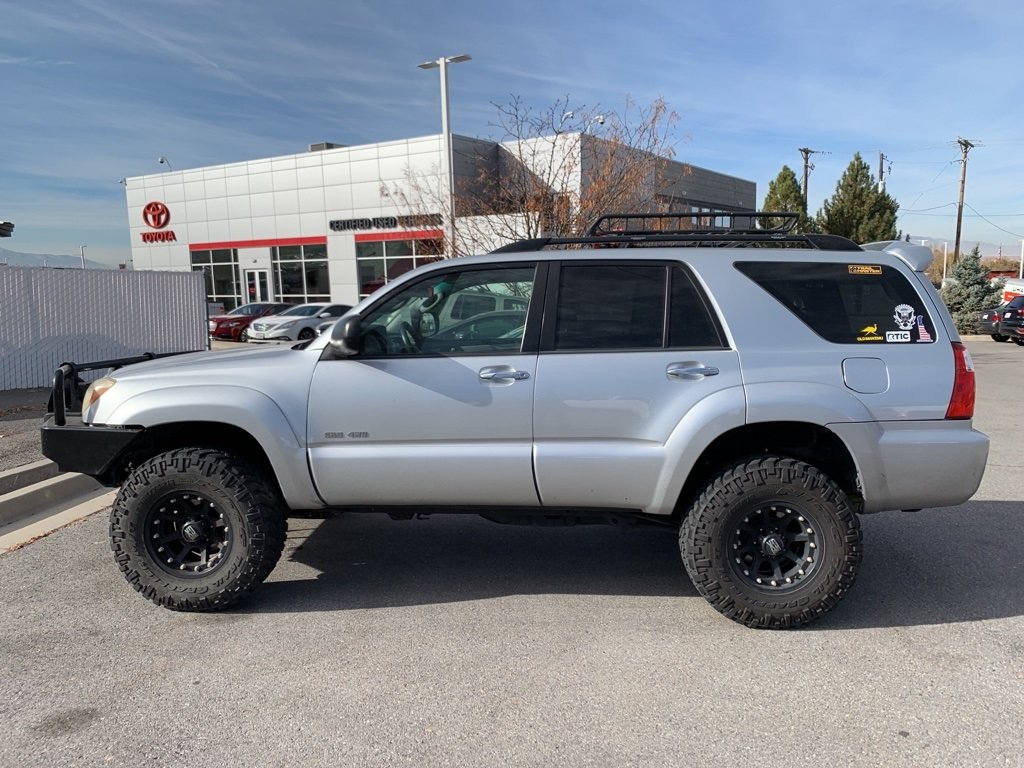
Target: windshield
x: 304, y: 310
x: 247, y: 309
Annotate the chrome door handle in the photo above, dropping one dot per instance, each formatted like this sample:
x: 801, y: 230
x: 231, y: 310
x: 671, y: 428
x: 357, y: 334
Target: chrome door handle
x: 503, y: 374
x: 691, y: 371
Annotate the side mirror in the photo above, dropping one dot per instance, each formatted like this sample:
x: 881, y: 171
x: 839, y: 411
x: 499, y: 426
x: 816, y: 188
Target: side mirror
x: 345, y: 336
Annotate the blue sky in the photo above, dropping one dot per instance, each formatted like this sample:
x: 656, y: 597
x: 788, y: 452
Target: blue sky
x: 95, y: 90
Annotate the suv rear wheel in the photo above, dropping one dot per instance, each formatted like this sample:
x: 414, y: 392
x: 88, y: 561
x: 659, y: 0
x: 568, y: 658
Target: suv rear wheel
x: 196, y: 529
x: 771, y: 542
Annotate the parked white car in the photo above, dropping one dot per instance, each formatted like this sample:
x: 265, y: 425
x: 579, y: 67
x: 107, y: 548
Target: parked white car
x: 296, y: 324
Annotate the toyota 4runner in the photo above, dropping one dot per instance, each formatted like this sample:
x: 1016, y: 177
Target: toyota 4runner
x: 754, y: 388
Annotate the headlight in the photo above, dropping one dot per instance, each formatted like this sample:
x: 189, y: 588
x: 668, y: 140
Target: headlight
x: 95, y: 391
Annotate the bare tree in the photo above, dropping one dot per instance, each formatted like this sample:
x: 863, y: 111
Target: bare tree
x: 554, y: 171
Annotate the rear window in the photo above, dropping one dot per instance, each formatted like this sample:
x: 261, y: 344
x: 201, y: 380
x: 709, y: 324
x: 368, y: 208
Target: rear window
x: 847, y: 303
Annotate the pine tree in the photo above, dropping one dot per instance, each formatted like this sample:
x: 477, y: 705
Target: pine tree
x: 969, y: 292
x: 784, y: 195
x: 858, y: 209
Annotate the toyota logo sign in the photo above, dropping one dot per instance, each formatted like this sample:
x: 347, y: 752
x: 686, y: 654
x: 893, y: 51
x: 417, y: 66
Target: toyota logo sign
x: 156, y: 215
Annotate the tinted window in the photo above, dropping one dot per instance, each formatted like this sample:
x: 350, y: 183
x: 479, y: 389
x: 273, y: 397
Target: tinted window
x: 610, y: 307
x: 690, y: 321
x: 847, y: 303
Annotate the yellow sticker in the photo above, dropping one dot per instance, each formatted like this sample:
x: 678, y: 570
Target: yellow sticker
x: 865, y: 269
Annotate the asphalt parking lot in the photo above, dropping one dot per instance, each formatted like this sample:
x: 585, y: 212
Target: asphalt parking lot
x: 455, y: 641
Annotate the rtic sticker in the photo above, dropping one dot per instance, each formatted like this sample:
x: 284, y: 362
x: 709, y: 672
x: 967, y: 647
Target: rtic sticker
x: 864, y: 269
x: 897, y: 337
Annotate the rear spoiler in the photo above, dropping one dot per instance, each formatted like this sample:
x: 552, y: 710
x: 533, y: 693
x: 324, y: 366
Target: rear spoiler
x: 917, y: 257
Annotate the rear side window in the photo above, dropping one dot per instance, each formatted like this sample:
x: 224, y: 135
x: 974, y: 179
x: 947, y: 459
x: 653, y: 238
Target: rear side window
x: 623, y: 306
x: 610, y: 307
x: 847, y: 303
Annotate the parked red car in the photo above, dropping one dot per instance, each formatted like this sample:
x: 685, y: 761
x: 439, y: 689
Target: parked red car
x: 234, y: 326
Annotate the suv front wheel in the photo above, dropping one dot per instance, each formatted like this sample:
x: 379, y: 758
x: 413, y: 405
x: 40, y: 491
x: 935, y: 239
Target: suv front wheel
x: 771, y: 542
x: 196, y: 529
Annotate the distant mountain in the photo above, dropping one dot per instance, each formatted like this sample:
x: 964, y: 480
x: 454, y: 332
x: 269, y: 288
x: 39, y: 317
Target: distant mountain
x: 16, y: 259
x: 1011, y: 249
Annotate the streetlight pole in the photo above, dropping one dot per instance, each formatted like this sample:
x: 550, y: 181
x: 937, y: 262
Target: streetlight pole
x: 81, y: 252
x: 446, y: 136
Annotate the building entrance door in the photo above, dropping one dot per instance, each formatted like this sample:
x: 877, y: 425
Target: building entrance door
x: 257, y: 285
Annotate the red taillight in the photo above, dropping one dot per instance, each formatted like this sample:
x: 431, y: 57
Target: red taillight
x: 961, y: 402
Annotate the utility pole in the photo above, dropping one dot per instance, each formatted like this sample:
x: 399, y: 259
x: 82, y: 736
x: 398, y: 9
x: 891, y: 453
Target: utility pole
x: 806, y: 152
x: 881, y: 171
x: 965, y: 147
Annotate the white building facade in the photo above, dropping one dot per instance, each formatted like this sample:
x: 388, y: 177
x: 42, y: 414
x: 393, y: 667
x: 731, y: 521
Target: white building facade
x: 331, y: 224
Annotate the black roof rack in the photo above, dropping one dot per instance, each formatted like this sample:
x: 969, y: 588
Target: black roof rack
x: 712, y: 229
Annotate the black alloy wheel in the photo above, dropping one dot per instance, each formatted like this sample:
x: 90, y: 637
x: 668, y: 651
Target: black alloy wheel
x: 187, y: 534
x: 775, y: 547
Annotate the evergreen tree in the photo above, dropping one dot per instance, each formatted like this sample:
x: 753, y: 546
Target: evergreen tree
x: 969, y: 292
x: 858, y: 209
x: 784, y: 195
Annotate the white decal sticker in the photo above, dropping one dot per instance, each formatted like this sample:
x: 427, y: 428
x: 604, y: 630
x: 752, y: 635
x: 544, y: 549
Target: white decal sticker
x: 904, y: 317
x: 897, y: 337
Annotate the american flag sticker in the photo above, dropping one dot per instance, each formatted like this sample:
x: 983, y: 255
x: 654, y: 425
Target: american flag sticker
x: 922, y: 332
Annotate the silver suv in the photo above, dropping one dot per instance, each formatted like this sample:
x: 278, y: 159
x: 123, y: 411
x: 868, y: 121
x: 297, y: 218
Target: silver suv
x: 755, y: 389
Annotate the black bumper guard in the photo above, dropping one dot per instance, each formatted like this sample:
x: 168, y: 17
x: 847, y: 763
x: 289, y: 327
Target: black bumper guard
x: 69, y: 389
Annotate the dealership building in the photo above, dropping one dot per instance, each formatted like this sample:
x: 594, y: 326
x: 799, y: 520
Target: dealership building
x: 336, y: 222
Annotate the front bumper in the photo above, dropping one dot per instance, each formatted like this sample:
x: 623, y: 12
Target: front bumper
x: 91, y: 450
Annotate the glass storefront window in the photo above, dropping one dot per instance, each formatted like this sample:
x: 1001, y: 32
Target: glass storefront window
x: 220, y: 275
x: 371, y: 275
x: 381, y: 261
x: 289, y: 281
x: 302, y: 273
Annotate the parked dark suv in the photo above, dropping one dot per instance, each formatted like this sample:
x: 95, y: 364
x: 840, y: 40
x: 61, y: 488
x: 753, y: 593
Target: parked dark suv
x: 1011, y: 317
x: 988, y: 323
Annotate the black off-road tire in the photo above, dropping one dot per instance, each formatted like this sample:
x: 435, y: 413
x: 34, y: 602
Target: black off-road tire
x: 999, y: 337
x: 772, y: 543
x: 196, y: 529
x: 1019, y: 341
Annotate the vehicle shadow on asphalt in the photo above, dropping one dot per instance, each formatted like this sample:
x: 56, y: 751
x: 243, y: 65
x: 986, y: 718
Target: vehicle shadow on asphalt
x: 936, y: 566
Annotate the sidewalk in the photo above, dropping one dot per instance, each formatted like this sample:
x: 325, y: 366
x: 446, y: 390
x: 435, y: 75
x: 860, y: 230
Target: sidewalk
x: 21, y: 415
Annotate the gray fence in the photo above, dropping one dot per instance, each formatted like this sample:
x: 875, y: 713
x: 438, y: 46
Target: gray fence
x: 50, y: 316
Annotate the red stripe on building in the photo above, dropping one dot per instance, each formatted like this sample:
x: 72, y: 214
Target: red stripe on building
x: 269, y: 243
x: 409, y: 234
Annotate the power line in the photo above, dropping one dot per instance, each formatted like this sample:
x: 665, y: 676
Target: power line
x: 1015, y: 234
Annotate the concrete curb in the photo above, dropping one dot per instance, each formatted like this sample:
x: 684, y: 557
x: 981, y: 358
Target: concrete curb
x: 47, y: 494
x: 45, y: 522
x: 26, y: 474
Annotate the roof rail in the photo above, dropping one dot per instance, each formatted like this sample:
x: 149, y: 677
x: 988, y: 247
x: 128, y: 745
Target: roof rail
x: 716, y: 229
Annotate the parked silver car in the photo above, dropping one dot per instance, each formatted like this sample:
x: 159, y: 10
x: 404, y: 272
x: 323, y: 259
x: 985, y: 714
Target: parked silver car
x: 755, y: 389
x: 296, y: 324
